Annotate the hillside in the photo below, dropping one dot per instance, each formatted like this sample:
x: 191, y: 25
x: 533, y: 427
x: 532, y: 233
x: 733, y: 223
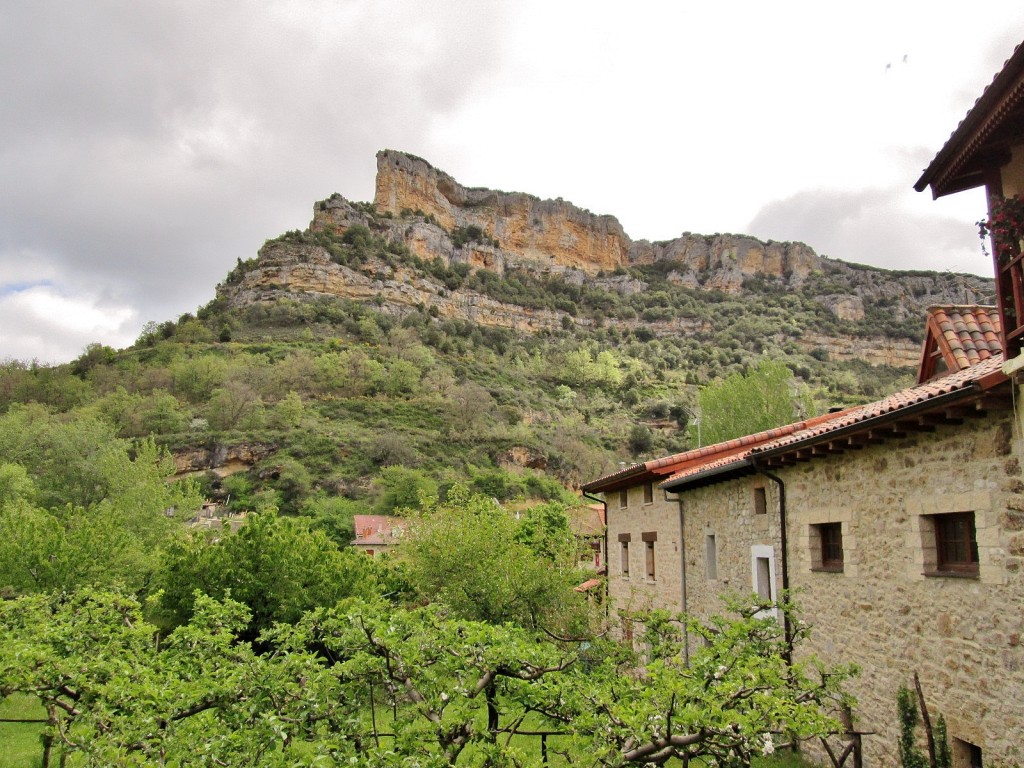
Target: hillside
x: 442, y: 333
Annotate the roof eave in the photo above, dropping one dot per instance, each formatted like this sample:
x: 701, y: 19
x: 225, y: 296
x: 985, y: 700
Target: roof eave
x: 968, y: 138
x: 934, y: 403
x: 739, y: 468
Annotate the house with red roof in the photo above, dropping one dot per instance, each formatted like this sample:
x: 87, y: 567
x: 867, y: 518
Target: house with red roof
x: 898, y: 525
x: 376, y: 534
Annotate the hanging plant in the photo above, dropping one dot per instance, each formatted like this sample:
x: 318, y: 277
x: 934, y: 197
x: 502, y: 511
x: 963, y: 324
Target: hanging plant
x: 1005, y: 225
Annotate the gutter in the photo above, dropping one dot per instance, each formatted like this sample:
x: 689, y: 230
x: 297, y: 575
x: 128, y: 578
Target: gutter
x: 787, y: 629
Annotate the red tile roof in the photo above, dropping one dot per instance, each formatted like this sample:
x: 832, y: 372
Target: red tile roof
x: 587, y: 585
x: 973, y: 380
x: 657, y: 469
x: 957, y: 338
x: 377, y: 529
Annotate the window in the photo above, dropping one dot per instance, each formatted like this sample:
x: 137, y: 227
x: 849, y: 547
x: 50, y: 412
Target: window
x: 763, y: 577
x: 649, y: 539
x: 965, y: 754
x: 624, y: 550
x: 762, y: 566
x: 827, y: 547
x: 623, y: 498
x: 648, y: 493
x: 760, y: 501
x: 956, y: 546
x: 711, y: 555
x: 950, y: 544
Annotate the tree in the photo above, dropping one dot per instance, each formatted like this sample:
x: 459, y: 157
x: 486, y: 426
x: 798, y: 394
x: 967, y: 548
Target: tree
x: 766, y: 397
x: 472, y: 555
x: 456, y: 690
x: 737, y: 697
x: 81, y: 506
x: 403, y: 489
x: 276, y: 566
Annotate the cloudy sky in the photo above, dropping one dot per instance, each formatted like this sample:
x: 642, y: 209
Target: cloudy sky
x: 145, y: 146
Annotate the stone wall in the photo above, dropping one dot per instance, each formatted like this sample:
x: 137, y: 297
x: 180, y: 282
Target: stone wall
x: 961, y: 635
x: 881, y: 612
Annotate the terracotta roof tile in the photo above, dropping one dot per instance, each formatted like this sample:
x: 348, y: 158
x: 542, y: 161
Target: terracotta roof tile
x: 376, y: 529
x: 587, y: 585
x: 658, y: 468
x: 964, y: 336
x: 986, y: 374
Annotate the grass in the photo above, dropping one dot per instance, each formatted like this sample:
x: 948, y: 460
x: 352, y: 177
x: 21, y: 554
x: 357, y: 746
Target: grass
x: 22, y: 747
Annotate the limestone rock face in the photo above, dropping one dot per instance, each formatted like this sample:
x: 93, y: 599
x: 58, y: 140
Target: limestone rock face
x: 539, y: 232
x: 424, y: 210
x: 220, y: 458
x: 844, y: 307
x: 723, y: 262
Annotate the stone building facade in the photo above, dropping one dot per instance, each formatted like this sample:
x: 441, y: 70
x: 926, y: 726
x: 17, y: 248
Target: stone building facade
x: 898, y: 526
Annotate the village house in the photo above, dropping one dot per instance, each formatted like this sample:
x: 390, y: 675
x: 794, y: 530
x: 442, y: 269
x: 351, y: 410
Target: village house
x: 377, y: 534
x: 898, y: 525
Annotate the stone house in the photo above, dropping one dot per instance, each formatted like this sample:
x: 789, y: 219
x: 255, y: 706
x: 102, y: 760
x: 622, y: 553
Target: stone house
x: 377, y: 534
x: 899, y: 525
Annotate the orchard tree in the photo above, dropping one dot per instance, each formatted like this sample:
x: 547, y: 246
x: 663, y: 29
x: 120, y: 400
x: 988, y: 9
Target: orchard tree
x: 474, y: 556
x: 455, y: 691
x: 278, y: 567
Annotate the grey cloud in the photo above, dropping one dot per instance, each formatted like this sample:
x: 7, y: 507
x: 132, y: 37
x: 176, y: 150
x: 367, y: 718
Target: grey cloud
x: 146, y: 146
x: 873, y: 226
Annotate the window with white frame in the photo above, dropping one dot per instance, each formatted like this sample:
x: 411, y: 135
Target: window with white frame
x: 762, y: 567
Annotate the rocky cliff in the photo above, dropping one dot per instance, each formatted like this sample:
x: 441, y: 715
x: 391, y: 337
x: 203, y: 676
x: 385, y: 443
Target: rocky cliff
x: 531, y: 232
x: 424, y: 217
x: 539, y: 232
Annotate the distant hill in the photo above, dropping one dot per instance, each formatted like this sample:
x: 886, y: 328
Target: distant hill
x: 443, y: 334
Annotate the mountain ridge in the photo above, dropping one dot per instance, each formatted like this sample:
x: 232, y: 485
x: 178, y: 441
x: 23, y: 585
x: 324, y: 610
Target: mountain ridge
x: 432, y: 233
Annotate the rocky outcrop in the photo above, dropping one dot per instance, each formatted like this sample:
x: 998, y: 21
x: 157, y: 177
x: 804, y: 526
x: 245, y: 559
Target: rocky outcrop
x: 539, y: 232
x: 222, y: 459
x: 301, y: 271
x: 723, y: 262
x: 556, y: 235
x: 423, y: 211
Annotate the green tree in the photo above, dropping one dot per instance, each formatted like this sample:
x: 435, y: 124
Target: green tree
x: 276, y: 566
x: 471, y: 554
x: 403, y: 489
x: 766, y: 397
x: 81, y: 506
x: 117, y: 692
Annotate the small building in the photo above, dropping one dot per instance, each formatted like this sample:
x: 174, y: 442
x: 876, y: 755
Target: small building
x: 376, y: 534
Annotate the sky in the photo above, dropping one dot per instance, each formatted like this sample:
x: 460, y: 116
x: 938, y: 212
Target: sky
x: 146, y: 146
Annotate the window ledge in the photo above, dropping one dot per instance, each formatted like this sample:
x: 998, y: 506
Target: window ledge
x: 952, y: 574
x: 827, y: 569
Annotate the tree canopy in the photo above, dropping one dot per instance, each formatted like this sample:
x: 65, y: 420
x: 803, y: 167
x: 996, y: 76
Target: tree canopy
x: 767, y: 396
